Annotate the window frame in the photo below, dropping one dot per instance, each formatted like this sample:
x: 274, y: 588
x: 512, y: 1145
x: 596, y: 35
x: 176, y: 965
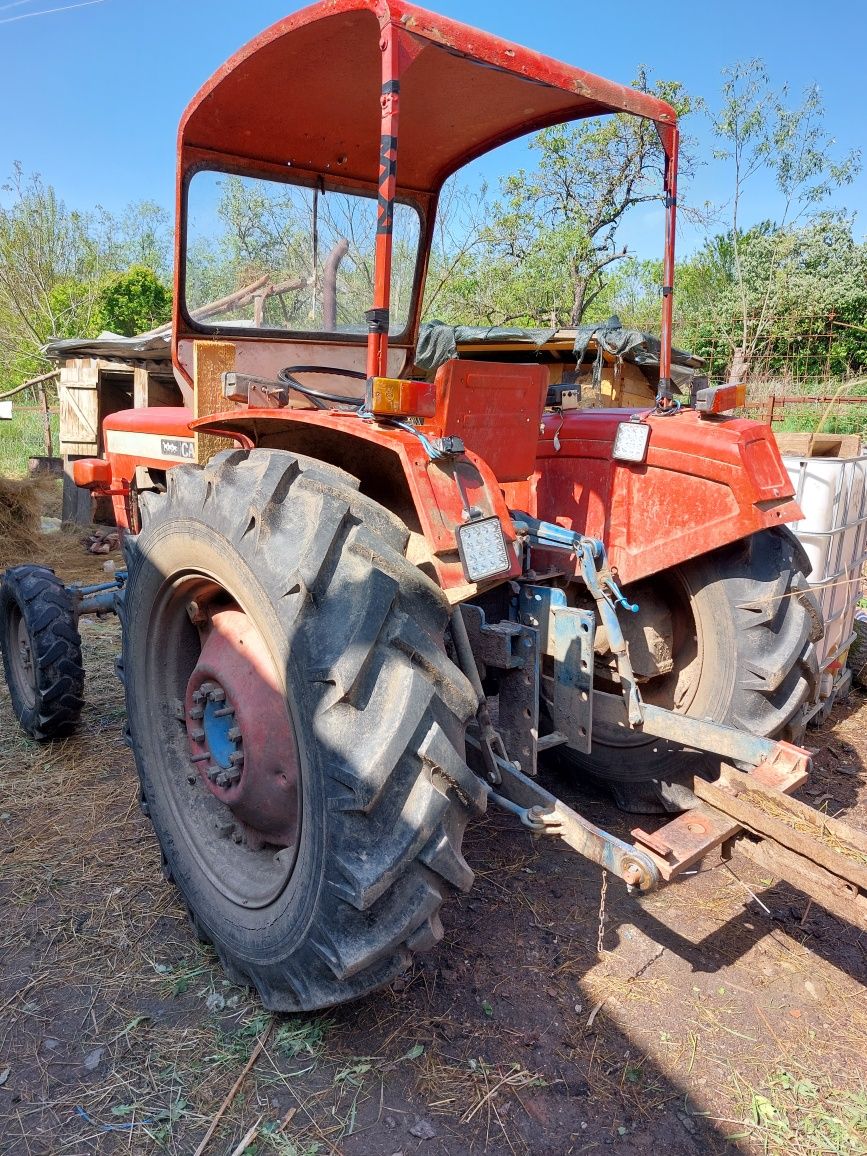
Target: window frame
x: 297, y: 177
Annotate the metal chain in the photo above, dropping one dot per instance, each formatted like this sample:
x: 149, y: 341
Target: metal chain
x: 599, y: 948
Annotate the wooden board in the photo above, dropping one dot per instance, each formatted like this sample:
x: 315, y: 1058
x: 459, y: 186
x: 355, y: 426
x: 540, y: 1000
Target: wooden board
x: 211, y: 359
x: 79, y: 407
x: 820, y: 445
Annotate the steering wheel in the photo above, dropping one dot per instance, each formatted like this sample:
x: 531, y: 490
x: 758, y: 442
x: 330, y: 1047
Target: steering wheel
x: 318, y: 396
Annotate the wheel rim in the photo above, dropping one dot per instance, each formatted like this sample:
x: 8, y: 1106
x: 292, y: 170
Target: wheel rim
x: 232, y: 773
x: 21, y: 662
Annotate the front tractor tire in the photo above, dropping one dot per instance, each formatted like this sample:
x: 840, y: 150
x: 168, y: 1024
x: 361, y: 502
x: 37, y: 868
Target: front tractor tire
x: 743, y: 626
x: 297, y: 725
x: 41, y: 652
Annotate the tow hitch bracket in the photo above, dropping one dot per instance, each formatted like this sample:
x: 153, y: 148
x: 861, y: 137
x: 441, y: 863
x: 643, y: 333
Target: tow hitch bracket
x: 545, y: 814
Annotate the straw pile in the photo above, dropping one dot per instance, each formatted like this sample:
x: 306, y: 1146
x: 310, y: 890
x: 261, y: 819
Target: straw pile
x: 20, y: 511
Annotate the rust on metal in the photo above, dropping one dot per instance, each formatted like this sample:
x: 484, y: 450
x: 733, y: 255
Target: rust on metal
x: 244, y: 750
x: 786, y: 769
x: 686, y: 839
x: 690, y: 836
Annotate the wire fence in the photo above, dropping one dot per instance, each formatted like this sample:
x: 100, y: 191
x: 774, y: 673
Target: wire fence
x: 826, y: 349
x: 23, y: 437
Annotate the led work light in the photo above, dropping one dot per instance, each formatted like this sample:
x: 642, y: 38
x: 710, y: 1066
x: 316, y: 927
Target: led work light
x: 483, y: 550
x: 630, y: 441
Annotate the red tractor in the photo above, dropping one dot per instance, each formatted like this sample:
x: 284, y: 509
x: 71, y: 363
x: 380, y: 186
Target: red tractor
x: 358, y: 605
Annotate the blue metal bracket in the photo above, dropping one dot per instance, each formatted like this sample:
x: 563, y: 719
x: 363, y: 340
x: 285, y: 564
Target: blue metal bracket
x: 566, y: 634
x: 535, y: 608
x: 572, y: 708
x: 100, y: 598
x: 593, y: 567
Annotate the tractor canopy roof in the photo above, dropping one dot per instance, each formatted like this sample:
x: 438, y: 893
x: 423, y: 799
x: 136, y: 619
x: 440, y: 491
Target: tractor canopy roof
x: 307, y: 93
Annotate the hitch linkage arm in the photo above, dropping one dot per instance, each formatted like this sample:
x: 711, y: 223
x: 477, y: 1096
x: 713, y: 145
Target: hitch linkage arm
x: 545, y: 814
x: 98, y: 599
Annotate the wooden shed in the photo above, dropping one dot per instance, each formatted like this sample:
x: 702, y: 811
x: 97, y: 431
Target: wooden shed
x: 98, y: 378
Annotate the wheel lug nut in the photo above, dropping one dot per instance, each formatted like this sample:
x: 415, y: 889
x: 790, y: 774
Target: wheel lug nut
x: 222, y: 780
x: 213, y: 772
x: 236, y: 758
x: 196, y: 615
x: 198, y: 695
x: 234, y: 734
x: 196, y: 713
x: 224, y: 712
x: 198, y: 735
x: 199, y: 758
x: 217, y: 694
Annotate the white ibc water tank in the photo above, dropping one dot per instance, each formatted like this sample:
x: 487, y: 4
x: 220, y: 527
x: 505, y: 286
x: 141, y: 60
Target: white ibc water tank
x: 832, y: 493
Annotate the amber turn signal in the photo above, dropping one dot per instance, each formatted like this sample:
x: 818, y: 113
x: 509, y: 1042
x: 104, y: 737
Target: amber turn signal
x: 720, y: 398
x: 393, y: 397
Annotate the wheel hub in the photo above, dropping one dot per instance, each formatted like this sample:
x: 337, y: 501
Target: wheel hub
x: 22, y: 660
x: 241, y: 741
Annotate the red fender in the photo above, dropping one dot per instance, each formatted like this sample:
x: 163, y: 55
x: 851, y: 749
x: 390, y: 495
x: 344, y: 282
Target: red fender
x: 704, y: 483
x: 435, y: 493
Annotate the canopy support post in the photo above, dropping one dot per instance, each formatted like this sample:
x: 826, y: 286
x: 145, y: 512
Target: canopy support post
x: 670, y: 138
x: 378, y: 316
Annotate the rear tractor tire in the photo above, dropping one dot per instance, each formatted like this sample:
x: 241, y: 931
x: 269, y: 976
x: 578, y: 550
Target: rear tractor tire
x: 41, y: 652
x: 297, y: 725
x: 744, y: 624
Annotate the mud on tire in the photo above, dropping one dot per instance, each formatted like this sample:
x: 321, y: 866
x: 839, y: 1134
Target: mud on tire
x: 41, y: 651
x: 378, y: 709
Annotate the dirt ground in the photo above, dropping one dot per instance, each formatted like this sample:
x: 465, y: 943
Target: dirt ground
x: 722, y: 1015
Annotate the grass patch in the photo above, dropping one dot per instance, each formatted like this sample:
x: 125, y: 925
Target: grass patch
x: 844, y: 419
x: 794, y: 1114
x: 23, y: 437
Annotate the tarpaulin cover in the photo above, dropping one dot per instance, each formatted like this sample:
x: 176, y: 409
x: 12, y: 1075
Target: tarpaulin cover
x: 633, y: 345
x: 438, y: 342
x: 111, y: 346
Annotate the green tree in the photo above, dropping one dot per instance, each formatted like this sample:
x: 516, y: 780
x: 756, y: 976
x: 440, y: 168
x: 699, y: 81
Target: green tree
x: 56, y: 263
x: 49, y: 268
x: 132, y: 302
x: 759, y: 129
x: 555, y: 232
x: 799, y: 278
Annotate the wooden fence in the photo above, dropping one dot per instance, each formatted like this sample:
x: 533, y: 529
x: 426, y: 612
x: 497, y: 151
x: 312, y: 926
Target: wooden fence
x: 773, y: 408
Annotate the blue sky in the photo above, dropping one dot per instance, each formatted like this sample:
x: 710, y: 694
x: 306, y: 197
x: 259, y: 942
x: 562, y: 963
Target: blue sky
x: 93, y: 94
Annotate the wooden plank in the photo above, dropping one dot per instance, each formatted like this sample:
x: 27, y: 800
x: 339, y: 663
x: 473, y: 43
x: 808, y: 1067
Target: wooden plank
x: 851, y: 867
x: 820, y: 445
x: 79, y: 416
x: 842, y: 899
x: 852, y: 836
x: 211, y: 359
x: 140, y: 389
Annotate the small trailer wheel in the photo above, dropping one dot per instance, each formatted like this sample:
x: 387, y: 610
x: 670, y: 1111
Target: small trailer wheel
x: 41, y: 651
